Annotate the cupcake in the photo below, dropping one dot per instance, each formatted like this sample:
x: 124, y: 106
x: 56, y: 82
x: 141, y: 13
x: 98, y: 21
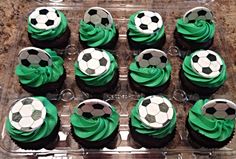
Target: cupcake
x: 153, y: 122
x: 95, y: 124
x: 145, y: 30
x: 96, y: 71
x: 203, y: 72
x: 48, y: 28
x: 40, y: 71
x: 195, y: 30
x: 33, y: 123
x: 211, y: 123
x: 150, y: 72
x: 98, y: 29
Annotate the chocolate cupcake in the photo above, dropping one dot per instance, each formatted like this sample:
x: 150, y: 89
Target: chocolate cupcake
x: 40, y: 71
x: 153, y: 122
x: 98, y: 29
x: 48, y: 28
x: 33, y: 123
x: 146, y: 30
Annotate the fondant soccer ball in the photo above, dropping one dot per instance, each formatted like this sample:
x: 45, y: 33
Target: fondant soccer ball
x: 97, y: 16
x: 32, y: 56
x: 207, y: 63
x: 156, y: 111
x: 93, y: 61
x: 148, y: 22
x: 44, y: 18
x: 27, y: 114
x: 198, y: 13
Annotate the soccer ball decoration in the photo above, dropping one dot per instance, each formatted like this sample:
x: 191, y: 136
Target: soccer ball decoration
x: 156, y: 111
x: 98, y: 16
x: 91, y: 108
x: 194, y: 14
x: 93, y: 61
x: 44, y: 18
x: 32, y: 56
x: 148, y: 22
x: 27, y: 114
x: 152, y: 58
x: 220, y: 108
x: 206, y: 63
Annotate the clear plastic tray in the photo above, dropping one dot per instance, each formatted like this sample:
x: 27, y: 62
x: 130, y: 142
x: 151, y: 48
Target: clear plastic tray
x: 125, y: 98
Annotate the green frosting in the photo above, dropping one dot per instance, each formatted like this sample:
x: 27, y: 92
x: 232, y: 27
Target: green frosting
x: 216, y: 129
x: 200, y: 31
x: 96, y: 36
x: 41, y: 34
x: 37, y: 76
x: 43, y: 131
x: 94, y: 129
x: 103, y: 78
x: 202, y: 81
x: 137, y: 36
x: 150, y: 76
x: 144, y: 129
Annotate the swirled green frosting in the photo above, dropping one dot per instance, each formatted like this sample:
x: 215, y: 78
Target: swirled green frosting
x: 101, y: 79
x: 96, y: 36
x: 216, y: 129
x: 144, y: 129
x: 94, y: 129
x: 137, y: 36
x: 200, y: 31
x: 41, y: 34
x: 45, y: 130
x: 37, y: 76
x: 202, y: 81
x: 150, y: 76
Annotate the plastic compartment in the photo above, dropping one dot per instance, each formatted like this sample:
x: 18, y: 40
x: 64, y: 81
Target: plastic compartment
x: 125, y: 98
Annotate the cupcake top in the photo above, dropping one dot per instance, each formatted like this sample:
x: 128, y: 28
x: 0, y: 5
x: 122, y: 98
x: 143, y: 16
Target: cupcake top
x: 97, y: 28
x: 37, y: 66
x: 145, y: 27
x: 150, y: 68
x: 94, y: 120
x: 214, y: 119
x: 205, y: 68
x: 196, y: 25
x: 46, y: 23
x: 154, y: 116
x: 31, y: 119
x: 95, y: 67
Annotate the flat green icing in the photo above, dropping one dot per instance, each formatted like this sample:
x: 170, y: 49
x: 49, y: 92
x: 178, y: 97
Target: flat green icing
x: 137, y: 36
x: 200, y: 31
x: 202, y: 81
x: 150, y: 76
x: 144, y: 129
x: 37, y: 76
x: 41, y: 34
x: 94, y: 129
x: 216, y: 129
x: 96, y: 36
x: 103, y: 78
x: 42, y: 132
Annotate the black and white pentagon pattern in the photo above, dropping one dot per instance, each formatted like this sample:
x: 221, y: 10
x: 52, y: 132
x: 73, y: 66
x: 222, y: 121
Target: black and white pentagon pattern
x: 148, y: 22
x: 152, y: 58
x: 32, y: 56
x: 45, y: 18
x: 220, y: 109
x: 206, y: 63
x: 91, y: 108
x: 156, y: 111
x: 93, y: 62
x: 27, y: 114
x: 98, y: 16
x: 194, y: 14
